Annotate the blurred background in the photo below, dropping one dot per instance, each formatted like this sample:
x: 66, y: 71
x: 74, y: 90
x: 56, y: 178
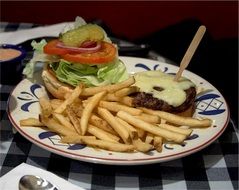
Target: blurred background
x: 129, y: 19
x: 166, y: 27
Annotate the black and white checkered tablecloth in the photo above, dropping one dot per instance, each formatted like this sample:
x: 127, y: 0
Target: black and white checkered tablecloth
x: 215, y: 167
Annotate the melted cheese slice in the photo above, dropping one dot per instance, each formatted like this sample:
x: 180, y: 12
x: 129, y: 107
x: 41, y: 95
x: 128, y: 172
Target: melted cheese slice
x: 173, y: 92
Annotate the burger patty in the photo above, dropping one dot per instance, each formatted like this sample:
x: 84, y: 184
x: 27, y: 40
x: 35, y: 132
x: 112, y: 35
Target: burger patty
x: 142, y: 99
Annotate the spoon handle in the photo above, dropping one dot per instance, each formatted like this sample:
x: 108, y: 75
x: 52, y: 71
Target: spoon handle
x: 190, y: 51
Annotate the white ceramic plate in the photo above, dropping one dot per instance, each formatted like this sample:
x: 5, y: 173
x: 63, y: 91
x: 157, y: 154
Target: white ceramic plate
x: 23, y: 103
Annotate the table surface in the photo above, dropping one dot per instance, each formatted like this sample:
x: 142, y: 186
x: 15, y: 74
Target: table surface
x: 215, y: 167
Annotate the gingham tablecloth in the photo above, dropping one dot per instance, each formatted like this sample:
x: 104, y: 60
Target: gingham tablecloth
x: 215, y: 167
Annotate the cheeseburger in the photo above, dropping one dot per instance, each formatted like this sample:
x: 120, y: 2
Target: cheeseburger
x: 159, y: 91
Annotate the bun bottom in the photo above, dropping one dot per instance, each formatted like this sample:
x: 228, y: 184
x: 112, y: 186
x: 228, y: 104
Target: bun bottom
x: 56, y: 88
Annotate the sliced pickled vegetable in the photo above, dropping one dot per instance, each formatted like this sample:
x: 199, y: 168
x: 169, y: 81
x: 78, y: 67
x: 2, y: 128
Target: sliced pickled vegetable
x: 88, y: 32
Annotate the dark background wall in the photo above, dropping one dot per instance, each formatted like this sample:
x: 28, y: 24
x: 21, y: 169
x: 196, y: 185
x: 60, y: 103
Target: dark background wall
x: 131, y: 20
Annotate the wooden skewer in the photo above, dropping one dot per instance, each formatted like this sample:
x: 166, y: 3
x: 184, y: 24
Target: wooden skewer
x: 190, y: 51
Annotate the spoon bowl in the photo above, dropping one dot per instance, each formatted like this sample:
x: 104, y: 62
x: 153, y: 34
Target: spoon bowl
x: 31, y: 182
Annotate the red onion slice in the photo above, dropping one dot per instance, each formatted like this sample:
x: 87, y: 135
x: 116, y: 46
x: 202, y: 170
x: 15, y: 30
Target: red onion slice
x: 80, y: 49
x: 88, y: 44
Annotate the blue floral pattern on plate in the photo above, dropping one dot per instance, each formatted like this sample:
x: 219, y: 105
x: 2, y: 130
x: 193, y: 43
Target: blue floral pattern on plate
x: 29, y: 97
x: 146, y: 67
x: 209, y: 104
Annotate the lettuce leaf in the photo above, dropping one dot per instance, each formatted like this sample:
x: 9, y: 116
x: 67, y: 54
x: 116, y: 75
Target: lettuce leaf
x: 113, y: 73
x: 38, y: 46
x: 38, y: 56
x: 90, y: 75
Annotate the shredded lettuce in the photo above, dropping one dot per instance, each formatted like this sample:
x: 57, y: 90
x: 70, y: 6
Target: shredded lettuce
x: 29, y: 69
x: 90, y: 75
x: 113, y: 73
x: 38, y: 56
x: 38, y: 46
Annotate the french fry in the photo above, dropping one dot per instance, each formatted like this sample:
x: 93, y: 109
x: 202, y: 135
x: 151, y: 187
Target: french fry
x: 101, y: 134
x: 111, y: 97
x: 115, y: 107
x: 93, y: 117
x: 102, y: 124
x: 109, y: 88
x: 123, y: 133
x: 149, y: 118
x: 107, y: 145
x: 45, y: 106
x: 126, y: 101
x: 180, y: 120
x: 74, y: 95
x: 67, y: 95
x: 172, y: 128
x: 74, y: 120
x: 142, y: 146
x: 78, y: 101
x: 75, y: 139
x: 158, y: 142
x: 77, y: 106
x: 54, y: 126
x: 149, y: 138
x: 131, y: 130
x: 55, y: 103
x: 141, y: 133
x: 31, y: 122
x: 63, y: 120
x: 88, y: 110
x: 126, y: 91
x: 163, y: 121
x: 98, y: 122
x: 171, y: 136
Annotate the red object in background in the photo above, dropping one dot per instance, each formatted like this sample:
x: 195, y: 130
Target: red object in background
x: 131, y: 20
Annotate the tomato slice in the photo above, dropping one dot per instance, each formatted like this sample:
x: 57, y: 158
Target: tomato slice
x: 106, y: 54
x: 52, y: 49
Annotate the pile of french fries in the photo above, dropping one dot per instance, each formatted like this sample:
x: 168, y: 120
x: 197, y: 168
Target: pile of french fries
x: 103, y: 117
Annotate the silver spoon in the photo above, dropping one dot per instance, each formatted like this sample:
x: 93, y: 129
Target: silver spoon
x: 31, y: 182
